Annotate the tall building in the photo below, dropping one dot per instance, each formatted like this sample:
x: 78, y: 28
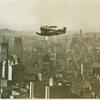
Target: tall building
x: 4, y: 58
x: 18, y: 48
x: 4, y: 51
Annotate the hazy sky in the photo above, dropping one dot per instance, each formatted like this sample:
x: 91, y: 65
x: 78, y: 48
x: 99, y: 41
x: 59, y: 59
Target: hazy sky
x: 31, y: 14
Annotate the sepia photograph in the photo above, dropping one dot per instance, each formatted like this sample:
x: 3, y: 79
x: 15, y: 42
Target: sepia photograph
x: 49, y: 49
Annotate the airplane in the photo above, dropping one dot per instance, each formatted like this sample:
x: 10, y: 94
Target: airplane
x: 51, y: 30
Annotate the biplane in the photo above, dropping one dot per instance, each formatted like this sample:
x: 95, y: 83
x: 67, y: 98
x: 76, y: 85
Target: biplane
x: 51, y: 30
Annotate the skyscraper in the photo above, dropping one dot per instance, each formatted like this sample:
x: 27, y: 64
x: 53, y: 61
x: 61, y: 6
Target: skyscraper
x: 4, y: 58
x: 18, y: 48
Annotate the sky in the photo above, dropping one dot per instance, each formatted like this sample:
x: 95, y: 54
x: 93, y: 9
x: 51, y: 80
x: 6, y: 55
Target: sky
x: 29, y: 15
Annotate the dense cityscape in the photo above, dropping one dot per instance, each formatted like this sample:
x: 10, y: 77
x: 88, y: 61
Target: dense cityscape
x: 59, y: 66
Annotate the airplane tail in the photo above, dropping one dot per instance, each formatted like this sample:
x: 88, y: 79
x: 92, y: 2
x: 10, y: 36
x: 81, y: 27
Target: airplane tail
x: 38, y: 33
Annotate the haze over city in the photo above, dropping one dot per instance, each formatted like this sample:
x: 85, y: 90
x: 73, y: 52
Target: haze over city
x: 29, y: 15
x: 49, y: 49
